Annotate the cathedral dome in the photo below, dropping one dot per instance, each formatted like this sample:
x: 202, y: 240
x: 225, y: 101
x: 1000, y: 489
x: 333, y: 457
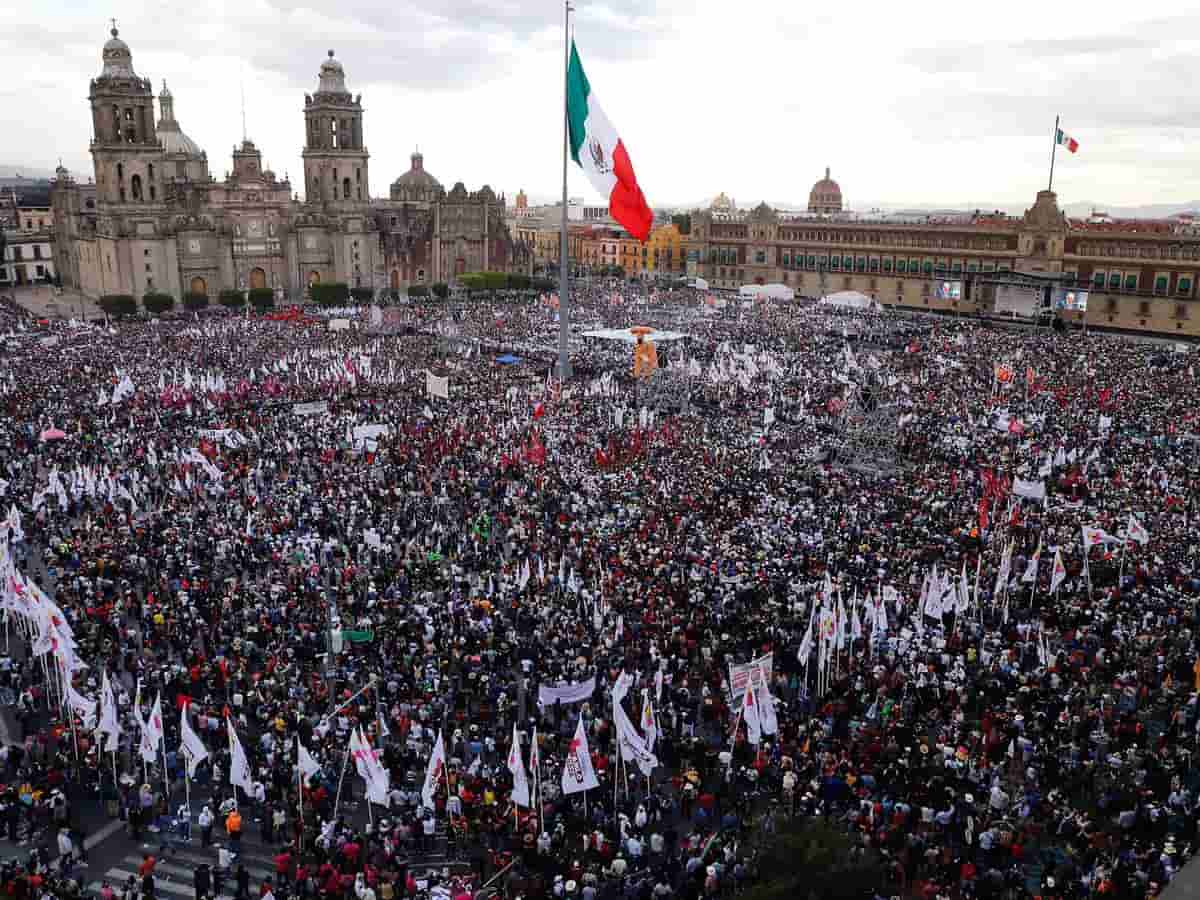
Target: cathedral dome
x: 169, y: 134
x: 416, y: 178
x: 118, y: 61
x: 825, y: 196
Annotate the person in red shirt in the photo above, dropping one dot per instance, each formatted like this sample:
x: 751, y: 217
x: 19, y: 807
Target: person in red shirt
x: 283, y: 866
x: 147, y: 866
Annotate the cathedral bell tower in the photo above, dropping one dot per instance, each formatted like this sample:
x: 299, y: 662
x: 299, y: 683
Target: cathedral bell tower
x: 125, y: 148
x: 335, y: 160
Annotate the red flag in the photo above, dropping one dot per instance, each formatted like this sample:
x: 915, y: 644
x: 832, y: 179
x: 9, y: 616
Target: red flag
x: 539, y: 411
x: 983, y: 514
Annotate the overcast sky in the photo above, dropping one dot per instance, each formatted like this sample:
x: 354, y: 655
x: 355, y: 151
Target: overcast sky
x: 925, y: 102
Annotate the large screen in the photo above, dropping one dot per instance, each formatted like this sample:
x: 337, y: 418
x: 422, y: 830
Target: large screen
x: 948, y: 290
x: 1073, y: 301
x: 1018, y: 300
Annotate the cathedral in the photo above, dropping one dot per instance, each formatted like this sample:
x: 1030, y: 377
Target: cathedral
x: 155, y: 220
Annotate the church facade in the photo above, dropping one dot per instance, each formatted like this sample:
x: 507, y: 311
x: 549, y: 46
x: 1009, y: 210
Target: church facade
x: 155, y: 220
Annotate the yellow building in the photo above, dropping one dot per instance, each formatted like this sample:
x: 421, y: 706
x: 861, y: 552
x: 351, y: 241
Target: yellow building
x: 664, y: 251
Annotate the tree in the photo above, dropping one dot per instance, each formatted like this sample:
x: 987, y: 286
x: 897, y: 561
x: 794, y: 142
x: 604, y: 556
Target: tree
x: 329, y: 294
x: 232, y: 299
x: 362, y: 294
x: 543, y: 284
x: 518, y: 281
x: 193, y: 302
x: 441, y: 290
x: 418, y: 290
x: 118, y: 304
x: 807, y: 860
x: 682, y: 221
x: 262, y: 298
x: 157, y: 303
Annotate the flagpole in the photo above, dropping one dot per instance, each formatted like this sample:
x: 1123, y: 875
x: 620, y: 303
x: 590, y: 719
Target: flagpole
x: 1053, y: 148
x: 564, y: 308
x: 300, y: 791
x: 337, y: 800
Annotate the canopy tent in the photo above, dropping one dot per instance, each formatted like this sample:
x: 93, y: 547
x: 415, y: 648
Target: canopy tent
x: 848, y: 300
x: 508, y: 359
x: 767, y: 291
x: 628, y: 335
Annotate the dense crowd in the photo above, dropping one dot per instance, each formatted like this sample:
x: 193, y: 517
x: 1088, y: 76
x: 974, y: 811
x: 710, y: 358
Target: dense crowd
x: 207, y: 500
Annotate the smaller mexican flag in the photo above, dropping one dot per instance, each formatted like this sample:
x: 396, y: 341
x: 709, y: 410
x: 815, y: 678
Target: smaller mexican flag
x: 599, y: 151
x: 1065, y: 140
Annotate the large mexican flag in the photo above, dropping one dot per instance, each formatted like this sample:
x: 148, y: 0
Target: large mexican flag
x: 598, y: 149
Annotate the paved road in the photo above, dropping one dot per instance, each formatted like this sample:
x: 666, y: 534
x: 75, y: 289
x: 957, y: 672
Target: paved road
x: 1186, y: 884
x: 50, y: 303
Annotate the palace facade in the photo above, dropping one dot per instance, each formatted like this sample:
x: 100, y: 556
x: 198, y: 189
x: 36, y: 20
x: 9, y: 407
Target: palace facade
x: 1141, y: 275
x: 155, y: 220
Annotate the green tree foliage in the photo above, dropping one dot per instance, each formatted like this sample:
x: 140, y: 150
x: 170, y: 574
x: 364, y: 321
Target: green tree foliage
x: 192, y: 302
x: 262, y: 298
x: 118, y: 304
x: 362, y: 294
x: 441, y: 290
x: 232, y: 299
x: 157, y: 303
x: 418, y: 290
x: 332, y: 294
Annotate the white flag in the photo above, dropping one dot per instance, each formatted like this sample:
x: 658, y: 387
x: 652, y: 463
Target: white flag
x: 1032, y: 568
x: 1136, y: 531
x: 433, y: 774
x: 578, y: 773
x: 649, y: 726
x: 193, y: 748
x: 304, y: 762
x: 520, y: 791
x: 770, y: 724
x: 152, y: 732
x: 85, y: 708
x: 109, y: 723
x: 1058, y: 574
x: 366, y: 763
x: 751, y: 717
x: 239, y: 766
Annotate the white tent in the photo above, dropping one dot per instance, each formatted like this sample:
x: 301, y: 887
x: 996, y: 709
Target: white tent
x: 848, y: 300
x: 769, y: 291
x: 626, y: 336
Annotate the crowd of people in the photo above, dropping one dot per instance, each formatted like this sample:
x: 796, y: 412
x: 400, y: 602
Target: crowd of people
x: 300, y: 533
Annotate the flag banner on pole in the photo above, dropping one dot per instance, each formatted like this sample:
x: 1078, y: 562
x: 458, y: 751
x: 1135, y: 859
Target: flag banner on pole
x: 1137, y: 531
x: 239, y: 766
x: 193, y: 748
x: 1065, y: 140
x: 578, y: 773
x: 599, y: 151
x: 152, y: 732
x: 751, y: 717
x: 1058, y: 574
x: 433, y: 774
x: 304, y: 761
x: 520, y: 791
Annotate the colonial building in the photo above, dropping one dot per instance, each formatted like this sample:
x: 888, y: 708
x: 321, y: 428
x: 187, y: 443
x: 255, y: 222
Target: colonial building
x: 1140, y: 275
x: 156, y: 220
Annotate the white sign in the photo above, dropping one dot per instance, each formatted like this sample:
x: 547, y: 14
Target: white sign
x: 752, y: 671
x: 317, y: 408
x: 339, y: 324
x: 436, y: 386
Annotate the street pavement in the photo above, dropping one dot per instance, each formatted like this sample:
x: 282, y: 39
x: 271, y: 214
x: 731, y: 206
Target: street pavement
x: 48, y: 302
